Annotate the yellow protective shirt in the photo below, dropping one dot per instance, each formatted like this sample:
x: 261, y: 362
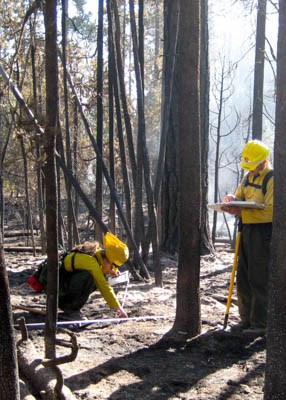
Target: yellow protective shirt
x: 93, y: 265
x: 249, y: 193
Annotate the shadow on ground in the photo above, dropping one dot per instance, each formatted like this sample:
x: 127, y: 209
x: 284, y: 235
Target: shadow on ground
x: 168, y: 368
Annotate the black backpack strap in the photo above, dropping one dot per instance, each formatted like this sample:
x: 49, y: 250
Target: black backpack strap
x: 247, y: 183
x: 73, y: 257
x: 263, y: 186
x: 265, y: 181
x: 74, y: 251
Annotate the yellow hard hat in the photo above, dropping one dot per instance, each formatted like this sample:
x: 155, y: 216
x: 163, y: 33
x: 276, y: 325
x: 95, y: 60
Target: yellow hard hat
x: 116, y: 251
x: 253, y: 154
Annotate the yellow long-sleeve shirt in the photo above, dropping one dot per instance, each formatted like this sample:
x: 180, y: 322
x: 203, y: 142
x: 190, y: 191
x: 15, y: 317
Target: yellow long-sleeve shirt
x: 93, y: 265
x: 250, y: 193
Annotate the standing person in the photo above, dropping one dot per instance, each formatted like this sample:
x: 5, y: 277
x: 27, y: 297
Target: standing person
x: 254, y: 254
x: 88, y: 266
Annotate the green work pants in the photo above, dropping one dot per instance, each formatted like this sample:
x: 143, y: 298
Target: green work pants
x: 75, y: 288
x: 253, y: 272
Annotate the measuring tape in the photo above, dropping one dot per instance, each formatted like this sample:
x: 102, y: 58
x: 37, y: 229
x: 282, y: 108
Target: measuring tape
x: 99, y: 321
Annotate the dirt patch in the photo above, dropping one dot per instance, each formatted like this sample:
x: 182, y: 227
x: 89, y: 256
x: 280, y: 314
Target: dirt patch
x: 129, y: 360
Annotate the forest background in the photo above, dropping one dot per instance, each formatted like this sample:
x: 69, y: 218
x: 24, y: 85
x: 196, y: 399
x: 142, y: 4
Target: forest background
x: 121, y: 149
x: 232, y: 36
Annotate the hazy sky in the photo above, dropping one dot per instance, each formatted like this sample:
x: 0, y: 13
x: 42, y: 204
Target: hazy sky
x: 232, y: 35
x: 232, y: 29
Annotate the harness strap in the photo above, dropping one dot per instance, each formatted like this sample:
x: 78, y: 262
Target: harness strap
x: 72, y: 260
x: 265, y: 180
x: 82, y: 252
x: 263, y: 186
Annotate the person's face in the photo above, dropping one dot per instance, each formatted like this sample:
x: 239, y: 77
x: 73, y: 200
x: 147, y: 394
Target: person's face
x: 259, y: 168
x: 108, y: 268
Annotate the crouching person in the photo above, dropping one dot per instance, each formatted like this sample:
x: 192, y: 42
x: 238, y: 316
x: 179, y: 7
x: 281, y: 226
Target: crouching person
x: 83, y: 270
x: 88, y: 266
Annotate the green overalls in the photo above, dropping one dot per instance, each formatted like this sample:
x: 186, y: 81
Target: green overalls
x: 254, y: 254
x: 84, y: 275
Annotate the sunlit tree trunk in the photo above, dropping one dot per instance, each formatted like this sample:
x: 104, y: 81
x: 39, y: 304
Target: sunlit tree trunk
x: 188, y: 316
x: 169, y: 190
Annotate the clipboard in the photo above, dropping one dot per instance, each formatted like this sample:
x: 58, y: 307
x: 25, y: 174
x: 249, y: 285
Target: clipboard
x: 219, y: 207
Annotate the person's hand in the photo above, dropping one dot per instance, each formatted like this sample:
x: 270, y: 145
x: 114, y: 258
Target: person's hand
x: 233, y: 210
x: 121, y: 313
x: 229, y: 197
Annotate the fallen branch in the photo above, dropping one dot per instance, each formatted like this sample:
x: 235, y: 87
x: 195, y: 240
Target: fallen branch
x: 23, y: 249
x: 24, y: 391
x: 28, y: 308
x: 12, y: 234
x: 44, y: 375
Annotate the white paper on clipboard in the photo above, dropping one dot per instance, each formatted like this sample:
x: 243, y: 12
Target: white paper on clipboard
x: 221, y: 207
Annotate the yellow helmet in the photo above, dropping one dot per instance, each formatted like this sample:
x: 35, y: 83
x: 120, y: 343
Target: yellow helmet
x: 116, y: 251
x: 253, y: 154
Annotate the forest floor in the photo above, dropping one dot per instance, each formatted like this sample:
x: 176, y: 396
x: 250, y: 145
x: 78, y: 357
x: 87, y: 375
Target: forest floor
x: 129, y: 360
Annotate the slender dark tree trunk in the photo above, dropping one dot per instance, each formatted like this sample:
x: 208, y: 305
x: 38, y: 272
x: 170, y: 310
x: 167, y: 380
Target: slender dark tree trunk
x: 120, y: 77
x: 70, y: 213
x: 157, y: 41
x: 63, y: 236
x: 111, y: 76
x: 27, y: 194
x: 188, y: 317
x: 206, y: 242
x: 99, y: 125
x: 139, y: 227
x: 9, y: 380
x: 2, y: 156
x: 2, y: 206
x: 142, y: 147
x: 136, y: 170
x: 275, y: 382
x: 167, y: 88
x: 50, y: 174
x: 257, y: 118
x: 108, y: 180
x: 40, y: 195
x: 217, y: 152
x: 141, y: 38
x: 168, y: 151
x: 75, y: 169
